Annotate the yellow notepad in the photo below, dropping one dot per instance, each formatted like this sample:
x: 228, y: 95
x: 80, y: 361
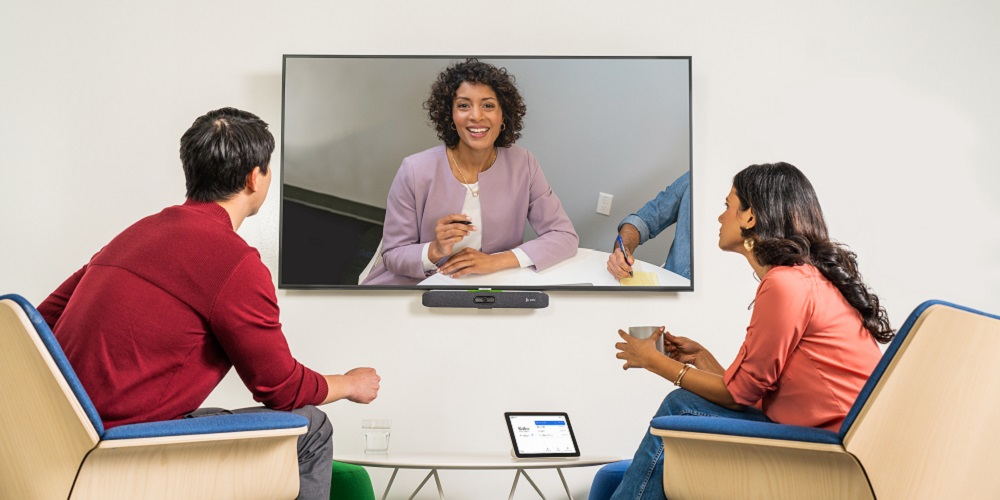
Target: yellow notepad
x: 640, y: 279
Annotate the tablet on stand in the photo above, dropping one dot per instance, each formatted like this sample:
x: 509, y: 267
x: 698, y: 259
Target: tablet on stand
x: 541, y: 435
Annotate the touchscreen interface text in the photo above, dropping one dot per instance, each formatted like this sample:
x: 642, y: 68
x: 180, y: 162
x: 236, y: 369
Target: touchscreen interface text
x: 542, y: 434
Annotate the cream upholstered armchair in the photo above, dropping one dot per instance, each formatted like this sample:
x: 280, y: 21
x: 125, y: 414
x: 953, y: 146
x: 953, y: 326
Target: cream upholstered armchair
x: 54, y: 444
x: 924, y: 426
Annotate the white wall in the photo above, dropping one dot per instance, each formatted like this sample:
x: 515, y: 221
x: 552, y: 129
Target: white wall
x: 889, y: 107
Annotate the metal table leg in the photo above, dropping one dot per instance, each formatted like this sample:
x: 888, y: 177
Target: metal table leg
x: 517, y: 475
x: 523, y: 472
x: 565, y: 486
x: 437, y: 481
x: 391, y: 479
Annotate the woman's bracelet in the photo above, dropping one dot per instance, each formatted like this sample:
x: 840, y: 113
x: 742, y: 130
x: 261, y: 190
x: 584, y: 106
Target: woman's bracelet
x: 680, y: 376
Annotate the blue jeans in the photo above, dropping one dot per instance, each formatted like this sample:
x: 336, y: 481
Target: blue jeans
x: 644, y: 478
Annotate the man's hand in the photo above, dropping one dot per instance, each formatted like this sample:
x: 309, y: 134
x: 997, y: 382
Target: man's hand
x: 359, y: 385
x: 366, y: 385
x: 620, y: 264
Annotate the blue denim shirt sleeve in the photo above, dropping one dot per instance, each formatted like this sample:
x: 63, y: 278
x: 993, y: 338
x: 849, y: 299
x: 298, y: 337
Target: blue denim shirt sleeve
x: 639, y: 224
x: 670, y: 206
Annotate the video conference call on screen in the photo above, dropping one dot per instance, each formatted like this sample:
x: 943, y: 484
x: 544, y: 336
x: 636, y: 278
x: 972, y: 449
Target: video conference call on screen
x: 618, y: 126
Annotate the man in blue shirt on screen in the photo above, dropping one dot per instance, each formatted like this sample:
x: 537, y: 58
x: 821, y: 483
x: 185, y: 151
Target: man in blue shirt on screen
x: 670, y: 206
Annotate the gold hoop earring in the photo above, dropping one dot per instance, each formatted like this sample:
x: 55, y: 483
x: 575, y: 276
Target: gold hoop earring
x: 748, y: 244
x: 503, y: 126
x: 453, y: 126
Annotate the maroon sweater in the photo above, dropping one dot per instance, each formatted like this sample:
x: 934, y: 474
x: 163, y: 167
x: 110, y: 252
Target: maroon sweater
x: 156, y: 318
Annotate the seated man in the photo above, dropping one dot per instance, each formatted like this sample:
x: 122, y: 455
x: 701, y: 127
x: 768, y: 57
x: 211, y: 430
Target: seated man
x: 159, y: 315
x: 670, y: 206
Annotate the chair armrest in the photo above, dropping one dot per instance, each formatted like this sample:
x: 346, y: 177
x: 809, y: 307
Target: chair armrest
x: 713, y: 457
x: 216, y: 424
x: 745, y: 428
x: 250, y: 456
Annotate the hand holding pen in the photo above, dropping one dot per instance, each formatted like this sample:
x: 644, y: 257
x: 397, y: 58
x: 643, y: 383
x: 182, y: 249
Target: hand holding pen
x: 620, y: 266
x: 449, y: 230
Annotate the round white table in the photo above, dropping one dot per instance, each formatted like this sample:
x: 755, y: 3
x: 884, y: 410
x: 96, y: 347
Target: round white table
x: 461, y: 461
x: 587, y: 268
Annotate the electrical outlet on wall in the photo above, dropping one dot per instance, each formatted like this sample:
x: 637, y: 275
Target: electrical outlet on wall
x: 604, y: 203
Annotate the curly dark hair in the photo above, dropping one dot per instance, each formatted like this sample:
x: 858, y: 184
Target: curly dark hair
x: 790, y: 231
x: 439, y: 103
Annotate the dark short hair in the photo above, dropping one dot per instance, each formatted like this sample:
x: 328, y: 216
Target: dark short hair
x: 790, y: 230
x: 220, y: 149
x: 442, y: 97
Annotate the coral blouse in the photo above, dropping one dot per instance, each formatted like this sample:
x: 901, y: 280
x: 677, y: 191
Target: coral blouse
x: 806, y: 355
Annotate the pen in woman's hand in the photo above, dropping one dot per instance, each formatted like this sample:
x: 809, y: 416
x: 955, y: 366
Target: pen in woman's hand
x: 621, y: 245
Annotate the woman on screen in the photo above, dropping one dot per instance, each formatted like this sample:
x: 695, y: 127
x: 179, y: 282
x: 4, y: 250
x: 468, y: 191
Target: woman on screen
x: 811, y: 342
x: 460, y: 208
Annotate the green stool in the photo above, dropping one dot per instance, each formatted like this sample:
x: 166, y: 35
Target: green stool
x: 350, y: 482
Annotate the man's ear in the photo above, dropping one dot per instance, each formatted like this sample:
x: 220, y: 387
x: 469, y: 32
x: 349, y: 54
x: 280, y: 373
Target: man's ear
x: 253, y: 180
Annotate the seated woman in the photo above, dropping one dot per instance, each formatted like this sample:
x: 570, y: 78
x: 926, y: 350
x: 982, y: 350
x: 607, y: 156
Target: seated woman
x: 811, y: 342
x: 460, y: 208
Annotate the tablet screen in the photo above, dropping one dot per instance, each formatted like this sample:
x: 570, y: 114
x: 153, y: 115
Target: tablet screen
x: 536, y: 435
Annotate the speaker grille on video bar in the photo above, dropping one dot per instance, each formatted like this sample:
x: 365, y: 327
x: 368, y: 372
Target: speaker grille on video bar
x: 485, y: 299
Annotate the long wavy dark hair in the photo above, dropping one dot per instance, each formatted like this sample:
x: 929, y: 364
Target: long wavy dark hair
x: 791, y: 231
x: 442, y: 96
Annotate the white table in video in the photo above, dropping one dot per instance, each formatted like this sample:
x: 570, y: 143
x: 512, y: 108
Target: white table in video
x: 442, y: 461
x: 587, y: 268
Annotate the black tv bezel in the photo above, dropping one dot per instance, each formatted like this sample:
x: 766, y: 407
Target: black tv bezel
x: 423, y: 288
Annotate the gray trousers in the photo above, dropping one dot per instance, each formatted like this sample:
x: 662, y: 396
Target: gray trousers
x: 315, y: 448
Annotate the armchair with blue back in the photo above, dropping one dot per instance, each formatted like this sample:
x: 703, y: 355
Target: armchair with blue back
x: 54, y: 444
x: 924, y: 426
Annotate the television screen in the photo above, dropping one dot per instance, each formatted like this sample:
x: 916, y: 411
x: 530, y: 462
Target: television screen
x: 609, y: 134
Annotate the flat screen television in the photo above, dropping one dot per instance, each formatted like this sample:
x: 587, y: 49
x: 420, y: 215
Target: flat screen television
x: 598, y: 126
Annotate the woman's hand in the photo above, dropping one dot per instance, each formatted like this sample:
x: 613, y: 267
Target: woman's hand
x: 681, y: 349
x: 449, y: 230
x: 470, y: 261
x: 686, y: 350
x: 638, y: 353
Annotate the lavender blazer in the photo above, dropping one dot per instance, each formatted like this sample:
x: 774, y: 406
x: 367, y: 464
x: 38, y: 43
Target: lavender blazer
x: 511, y: 192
